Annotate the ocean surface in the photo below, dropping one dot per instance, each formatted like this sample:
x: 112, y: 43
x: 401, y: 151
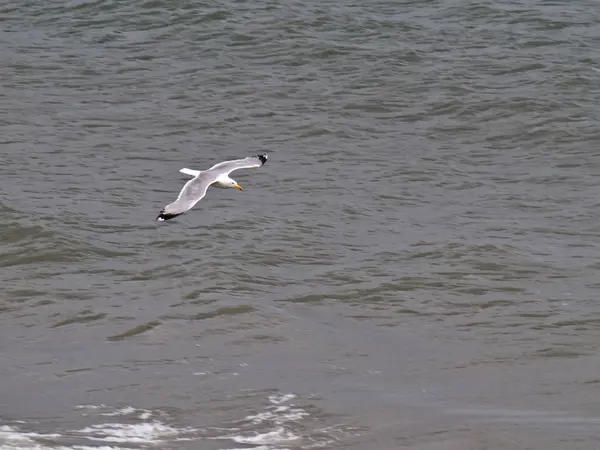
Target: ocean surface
x: 415, y: 267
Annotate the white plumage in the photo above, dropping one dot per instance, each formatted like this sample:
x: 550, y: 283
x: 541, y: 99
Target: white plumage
x: 218, y: 176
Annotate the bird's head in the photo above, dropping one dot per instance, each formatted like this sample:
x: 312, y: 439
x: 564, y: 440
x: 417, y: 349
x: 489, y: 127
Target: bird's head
x: 234, y: 184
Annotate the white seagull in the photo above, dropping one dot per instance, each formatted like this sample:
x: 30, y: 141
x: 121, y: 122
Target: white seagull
x: 217, y: 176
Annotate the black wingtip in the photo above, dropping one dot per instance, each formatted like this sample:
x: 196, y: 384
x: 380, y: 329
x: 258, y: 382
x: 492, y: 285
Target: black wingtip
x: 162, y: 216
x: 262, y: 157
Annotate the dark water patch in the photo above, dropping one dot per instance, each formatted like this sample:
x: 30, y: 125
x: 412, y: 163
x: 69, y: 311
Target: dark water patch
x: 83, y: 317
x: 227, y: 311
x: 135, y: 331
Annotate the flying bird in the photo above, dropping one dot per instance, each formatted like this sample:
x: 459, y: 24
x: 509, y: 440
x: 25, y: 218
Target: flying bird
x: 218, y: 176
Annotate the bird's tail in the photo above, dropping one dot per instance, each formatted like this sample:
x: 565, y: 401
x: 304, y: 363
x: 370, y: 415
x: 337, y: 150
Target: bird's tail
x: 191, y: 172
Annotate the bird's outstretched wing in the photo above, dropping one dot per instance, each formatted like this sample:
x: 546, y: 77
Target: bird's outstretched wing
x: 227, y: 167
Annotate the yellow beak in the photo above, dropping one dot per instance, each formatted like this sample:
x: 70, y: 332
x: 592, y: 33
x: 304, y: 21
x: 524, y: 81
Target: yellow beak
x: 237, y: 186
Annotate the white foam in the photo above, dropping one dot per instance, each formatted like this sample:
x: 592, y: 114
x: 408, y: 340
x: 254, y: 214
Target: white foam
x: 281, y: 398
x: 8, y: 432
x: 121, y: 412
x: 146, y: 433
x: 12, y: 438
x: 275, y: 422
x: 128, y: 411
x: 142, y: 432
x: 278, y: 416
x: 278, y: 436
x: 262, y: 447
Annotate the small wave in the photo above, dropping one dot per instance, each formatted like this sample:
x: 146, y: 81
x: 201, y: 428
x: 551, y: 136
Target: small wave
x: 281, y: 424
x: 142, y: 428
x: 144, y: 433
x: 11, y: 438
x: 270, y: 428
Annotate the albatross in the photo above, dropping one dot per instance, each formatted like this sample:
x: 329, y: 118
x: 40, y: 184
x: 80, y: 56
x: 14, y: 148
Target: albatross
x: 218, y: 176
